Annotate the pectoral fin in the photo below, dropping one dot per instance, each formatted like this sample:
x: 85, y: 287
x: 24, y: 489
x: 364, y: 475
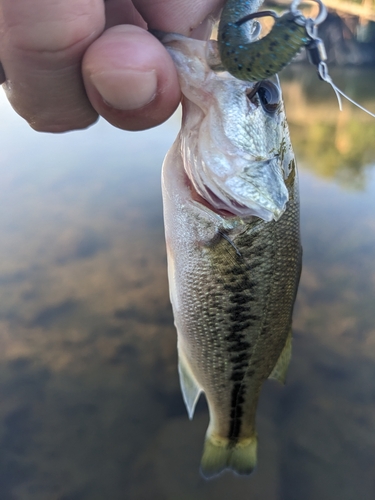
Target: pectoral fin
x: 281, y: 367
x: 189, y: 386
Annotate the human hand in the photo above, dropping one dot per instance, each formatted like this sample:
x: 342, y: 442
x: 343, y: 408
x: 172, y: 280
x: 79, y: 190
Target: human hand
x: 66, y: 61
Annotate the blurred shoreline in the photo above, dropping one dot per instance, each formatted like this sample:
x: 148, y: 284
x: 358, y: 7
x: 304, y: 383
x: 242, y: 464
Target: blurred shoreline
x: 348, y: 32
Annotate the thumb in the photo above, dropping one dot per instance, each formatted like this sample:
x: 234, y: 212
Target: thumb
x: 130, y: 78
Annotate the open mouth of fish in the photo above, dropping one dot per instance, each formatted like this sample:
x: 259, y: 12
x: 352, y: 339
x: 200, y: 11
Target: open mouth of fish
x: 267, y: 203
x: 231, y: 209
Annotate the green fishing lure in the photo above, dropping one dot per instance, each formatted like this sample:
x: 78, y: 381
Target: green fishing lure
x: 238, y: 52
x: 251, y: 60
x: 261, y: 59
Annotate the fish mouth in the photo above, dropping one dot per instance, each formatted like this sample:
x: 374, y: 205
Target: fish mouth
x: 258, y: 191
x: 215, y: 204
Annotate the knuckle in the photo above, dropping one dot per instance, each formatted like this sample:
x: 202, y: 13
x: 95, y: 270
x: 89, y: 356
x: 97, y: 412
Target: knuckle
x: 47, y: 36
x: 59, y: 128
x: 49, y: 122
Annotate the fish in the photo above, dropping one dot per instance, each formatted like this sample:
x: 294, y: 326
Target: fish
x: 231, y: 214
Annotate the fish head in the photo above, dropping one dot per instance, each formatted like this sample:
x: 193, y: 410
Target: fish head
x: 234, y: 138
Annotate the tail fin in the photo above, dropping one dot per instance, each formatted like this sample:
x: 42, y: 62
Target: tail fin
x: 219, y: 455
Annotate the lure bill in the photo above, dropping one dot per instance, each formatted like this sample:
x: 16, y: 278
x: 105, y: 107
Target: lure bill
x: 231, y: 212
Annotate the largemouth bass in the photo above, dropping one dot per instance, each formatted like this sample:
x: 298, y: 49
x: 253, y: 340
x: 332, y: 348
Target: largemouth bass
x: 231, y: 212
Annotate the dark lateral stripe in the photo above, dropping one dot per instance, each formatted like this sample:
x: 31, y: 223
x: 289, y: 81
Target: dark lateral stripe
x: 237, y: 376
x: 241, y: 359
x: 239, y: 286
x: 239, y: 347
x: 236, y: 412
x: 237, y: 271
x: 241, y: 295
x: 235, y: 330
x: 237, y: 308
x: 240, y: 299
x: 242, y: 367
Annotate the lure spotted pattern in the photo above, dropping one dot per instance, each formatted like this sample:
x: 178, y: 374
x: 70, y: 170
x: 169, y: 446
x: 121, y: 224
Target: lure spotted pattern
x: 258, y: 60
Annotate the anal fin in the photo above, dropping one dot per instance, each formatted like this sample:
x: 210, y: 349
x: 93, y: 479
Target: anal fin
x: 189, y: 386
x: 280, y: 369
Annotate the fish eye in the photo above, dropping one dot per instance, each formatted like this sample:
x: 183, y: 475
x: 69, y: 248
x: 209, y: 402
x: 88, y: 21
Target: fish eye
x: 269, y: 96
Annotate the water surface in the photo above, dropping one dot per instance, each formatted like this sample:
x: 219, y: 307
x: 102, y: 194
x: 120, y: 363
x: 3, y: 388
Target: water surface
x: 90, y: 406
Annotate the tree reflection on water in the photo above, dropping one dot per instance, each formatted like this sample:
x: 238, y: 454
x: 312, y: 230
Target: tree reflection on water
x: 334, y: 145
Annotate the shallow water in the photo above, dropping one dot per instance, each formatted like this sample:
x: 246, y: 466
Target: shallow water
x: 90, y: 406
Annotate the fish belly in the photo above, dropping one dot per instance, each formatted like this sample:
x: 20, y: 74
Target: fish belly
x: 232, y: 292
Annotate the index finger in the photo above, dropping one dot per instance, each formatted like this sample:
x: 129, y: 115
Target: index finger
x: 41, y: 46
x: 178, y: 16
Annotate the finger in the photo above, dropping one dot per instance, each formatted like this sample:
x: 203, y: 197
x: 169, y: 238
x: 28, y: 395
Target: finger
x: 130, y: 78
x: 41, y: 48
x: 122, y: 12
x: 177, y: 16
x: 2, y: 74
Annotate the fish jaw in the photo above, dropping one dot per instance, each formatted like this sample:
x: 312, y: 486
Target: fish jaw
x: 233, y: 151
